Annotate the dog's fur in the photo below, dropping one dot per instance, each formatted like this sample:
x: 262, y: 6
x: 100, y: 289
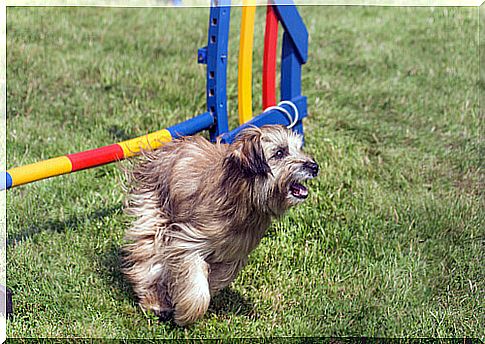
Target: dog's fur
x: 201, y: 208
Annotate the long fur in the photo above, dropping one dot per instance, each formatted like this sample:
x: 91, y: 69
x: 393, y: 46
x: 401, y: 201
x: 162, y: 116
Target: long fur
x: 199, y: 210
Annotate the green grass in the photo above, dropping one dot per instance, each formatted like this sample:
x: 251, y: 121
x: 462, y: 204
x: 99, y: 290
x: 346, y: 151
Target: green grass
x: 388, y: 244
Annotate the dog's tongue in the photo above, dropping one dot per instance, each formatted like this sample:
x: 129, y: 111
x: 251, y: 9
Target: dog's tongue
x: 299, y: 190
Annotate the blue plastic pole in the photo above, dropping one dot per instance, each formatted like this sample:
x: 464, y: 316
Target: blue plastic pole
x: 192, y: 126
x: 270, y: 117
x: 291, y: 21
x: 291, y: 75
x: 215, y: 56
x: 294, y: 53
x: 5, y: 181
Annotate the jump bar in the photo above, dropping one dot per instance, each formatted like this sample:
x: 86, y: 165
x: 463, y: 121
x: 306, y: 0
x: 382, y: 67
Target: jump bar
x: 103, y: 155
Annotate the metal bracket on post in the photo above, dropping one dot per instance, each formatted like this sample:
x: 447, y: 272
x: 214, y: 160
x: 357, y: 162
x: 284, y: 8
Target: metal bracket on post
x: 215, y: 56
x: 202, y: 55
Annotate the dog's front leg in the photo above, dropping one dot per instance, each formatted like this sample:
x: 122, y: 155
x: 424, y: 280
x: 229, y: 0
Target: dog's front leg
x: 191, y: 296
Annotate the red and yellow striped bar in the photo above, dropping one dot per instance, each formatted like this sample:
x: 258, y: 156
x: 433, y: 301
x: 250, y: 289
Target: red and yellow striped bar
x: 91, y: 158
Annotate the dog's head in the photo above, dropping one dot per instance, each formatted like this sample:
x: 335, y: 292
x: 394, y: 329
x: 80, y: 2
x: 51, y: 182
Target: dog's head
x: 272, y: 157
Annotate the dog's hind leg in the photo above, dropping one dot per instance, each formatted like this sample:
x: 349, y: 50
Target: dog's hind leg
x: 150, y: 301
x: 191, y: 296
x: 149, y: 284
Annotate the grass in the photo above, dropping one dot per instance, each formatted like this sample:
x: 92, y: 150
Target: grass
x: 388, y: 244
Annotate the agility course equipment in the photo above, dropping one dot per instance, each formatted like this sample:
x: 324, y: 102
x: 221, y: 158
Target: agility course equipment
x: 246, y: 61
x: 289, y: 112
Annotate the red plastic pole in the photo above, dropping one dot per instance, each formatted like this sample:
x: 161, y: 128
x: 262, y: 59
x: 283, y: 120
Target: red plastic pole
x: 269, y: 58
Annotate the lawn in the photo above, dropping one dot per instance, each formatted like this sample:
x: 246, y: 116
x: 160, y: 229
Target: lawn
x: 389, y: 242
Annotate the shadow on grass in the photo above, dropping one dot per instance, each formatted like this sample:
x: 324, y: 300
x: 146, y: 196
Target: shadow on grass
x: 231, y: 302
x: 225, y: 304
x: 119, y: 134
x: 60, y: 226
x: 110, y: 264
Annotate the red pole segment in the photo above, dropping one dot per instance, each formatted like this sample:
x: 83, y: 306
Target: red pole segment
x: 269, y: 58
x: 96, y: 157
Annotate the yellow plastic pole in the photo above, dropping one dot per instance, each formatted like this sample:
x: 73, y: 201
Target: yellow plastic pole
x: 40, y: 170
x: 148, y: 142
x: 246, y: 61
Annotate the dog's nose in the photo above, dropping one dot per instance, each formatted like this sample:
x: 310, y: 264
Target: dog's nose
x: 312, y: 166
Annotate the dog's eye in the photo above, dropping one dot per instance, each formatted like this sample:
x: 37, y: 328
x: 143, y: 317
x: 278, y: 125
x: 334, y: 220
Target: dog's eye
x: 279, y: 154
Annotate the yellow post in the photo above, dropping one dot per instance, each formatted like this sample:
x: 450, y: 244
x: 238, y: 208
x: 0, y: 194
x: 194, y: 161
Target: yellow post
x: 245, y: 66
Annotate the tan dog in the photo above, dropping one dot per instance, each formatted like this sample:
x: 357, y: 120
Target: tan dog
x: 201, y: 208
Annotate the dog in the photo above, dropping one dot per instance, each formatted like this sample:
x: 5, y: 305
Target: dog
x: 201, y: 208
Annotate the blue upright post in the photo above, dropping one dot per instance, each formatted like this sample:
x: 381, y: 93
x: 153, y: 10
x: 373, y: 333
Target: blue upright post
x: 294, y: 55
x: 291, y: 78
x: 291, y: 21
x: 215, y: 56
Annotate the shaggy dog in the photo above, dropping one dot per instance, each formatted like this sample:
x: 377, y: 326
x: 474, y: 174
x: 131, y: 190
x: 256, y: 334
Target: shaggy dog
x: 201, y: 208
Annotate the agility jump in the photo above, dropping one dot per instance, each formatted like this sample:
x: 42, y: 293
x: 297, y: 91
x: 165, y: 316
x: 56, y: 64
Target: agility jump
x: 289, y: 112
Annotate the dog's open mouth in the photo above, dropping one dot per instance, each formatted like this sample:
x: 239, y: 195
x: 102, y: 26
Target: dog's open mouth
x: 298, y: 190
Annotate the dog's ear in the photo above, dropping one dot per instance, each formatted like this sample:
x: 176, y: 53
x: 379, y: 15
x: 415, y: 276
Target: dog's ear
x: 246, y: 155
